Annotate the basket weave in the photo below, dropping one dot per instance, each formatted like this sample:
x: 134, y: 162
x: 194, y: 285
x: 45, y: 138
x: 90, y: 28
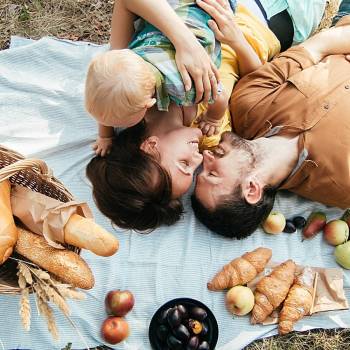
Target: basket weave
x: 33, y: 174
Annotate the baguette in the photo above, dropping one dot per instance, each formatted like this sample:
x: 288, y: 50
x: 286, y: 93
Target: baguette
x: 68, y: 266
x: 85, y: 233
x: 8, y: 230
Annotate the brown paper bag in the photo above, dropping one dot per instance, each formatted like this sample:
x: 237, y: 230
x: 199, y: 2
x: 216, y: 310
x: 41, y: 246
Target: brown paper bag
x: 328, y: 290
x: 44, y: 215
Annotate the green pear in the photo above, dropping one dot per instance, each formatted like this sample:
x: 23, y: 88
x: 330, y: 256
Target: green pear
x: 342, y: 255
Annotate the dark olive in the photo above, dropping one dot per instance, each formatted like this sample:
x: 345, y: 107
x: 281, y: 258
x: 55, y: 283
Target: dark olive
x: 173, y: 343
x: 195, y: 326
x: 174, y: 317
x: 289, y: 228
x: 183, y: 311
x: 162, y: 319
x: 162, y: 333
x: 198, y: 313
x: 192, y: 343
x: 182, y: 333
x: 299, y: 222
x: 204, y: 329
x: 203, y: 346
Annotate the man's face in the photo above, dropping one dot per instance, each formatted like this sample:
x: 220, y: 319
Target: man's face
x: 223, y: 169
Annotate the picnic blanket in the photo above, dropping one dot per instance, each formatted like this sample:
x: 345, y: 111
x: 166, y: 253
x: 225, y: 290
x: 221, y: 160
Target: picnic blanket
x: 42, y: 115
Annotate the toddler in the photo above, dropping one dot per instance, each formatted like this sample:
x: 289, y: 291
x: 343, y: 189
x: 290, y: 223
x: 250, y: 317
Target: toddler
x: 122, y: 84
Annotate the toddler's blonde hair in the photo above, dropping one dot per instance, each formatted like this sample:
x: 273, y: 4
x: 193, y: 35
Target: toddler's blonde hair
x: 118, y: 84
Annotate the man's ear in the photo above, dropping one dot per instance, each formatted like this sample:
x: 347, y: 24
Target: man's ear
x: 150, y: 145
x: 252, y: 190
x: 150, y: 103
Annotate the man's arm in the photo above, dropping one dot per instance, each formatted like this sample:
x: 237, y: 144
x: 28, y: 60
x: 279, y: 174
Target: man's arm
x: 191, y: 58
x: 334, y: 41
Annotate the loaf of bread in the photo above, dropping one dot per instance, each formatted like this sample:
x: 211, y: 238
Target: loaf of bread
x: 68, y: 266
x: 8, y: 230
x: 85, y: 233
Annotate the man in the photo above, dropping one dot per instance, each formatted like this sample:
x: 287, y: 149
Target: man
x: 292, y: 119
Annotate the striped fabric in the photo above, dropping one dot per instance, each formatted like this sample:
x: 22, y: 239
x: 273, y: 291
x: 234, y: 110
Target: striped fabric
x: 155, y: 48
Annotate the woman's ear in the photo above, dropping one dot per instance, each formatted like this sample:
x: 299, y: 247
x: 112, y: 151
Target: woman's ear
x: 150, y: 145
x: 150, y: 103
x: 252, y: 190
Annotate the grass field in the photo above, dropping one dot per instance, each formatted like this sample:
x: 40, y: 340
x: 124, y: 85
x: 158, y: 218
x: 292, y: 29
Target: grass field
x: 90, y: 21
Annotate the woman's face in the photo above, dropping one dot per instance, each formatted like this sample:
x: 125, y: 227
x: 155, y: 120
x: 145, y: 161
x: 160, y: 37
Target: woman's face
x: 179, y: 155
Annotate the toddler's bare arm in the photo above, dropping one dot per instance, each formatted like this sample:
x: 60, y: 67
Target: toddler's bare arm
x: 211, y: 120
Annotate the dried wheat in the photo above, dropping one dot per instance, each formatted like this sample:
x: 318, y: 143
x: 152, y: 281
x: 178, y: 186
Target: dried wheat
x: 71, y: 293
x: 56, y: 298
x: 25, y: 271
x: 24, y: 309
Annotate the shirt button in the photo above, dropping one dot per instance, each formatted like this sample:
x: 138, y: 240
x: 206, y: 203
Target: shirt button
x: 347, y: 86
x: 326, y: 106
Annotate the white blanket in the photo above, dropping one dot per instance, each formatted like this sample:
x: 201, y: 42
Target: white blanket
x: 42, y: 115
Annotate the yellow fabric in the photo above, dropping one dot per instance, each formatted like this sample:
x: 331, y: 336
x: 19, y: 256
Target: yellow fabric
x: 265, y: 44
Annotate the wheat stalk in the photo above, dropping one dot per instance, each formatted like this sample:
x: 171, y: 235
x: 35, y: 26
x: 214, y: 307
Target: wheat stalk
x: 70, y: 293
x: 24, y: 309
x: 56, y: 298
x: 25, y: 271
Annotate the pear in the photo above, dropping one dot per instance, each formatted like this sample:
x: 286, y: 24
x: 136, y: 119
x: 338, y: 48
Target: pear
x: 314, y: 224
x: 342, y: 255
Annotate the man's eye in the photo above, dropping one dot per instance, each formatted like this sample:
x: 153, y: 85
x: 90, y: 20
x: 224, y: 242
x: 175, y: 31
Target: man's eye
x: 212, y: 174
x: 185, y: 162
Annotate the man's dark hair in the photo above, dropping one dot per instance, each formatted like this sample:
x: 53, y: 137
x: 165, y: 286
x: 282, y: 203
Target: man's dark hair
x: 130, y: 187
x: 234, y: 217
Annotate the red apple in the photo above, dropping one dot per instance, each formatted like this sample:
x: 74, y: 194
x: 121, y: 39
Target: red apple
x: 114, y: 330
x: 336, y: 232
x: 239, y: 300
x: 274, y: 223
x: 119, y: 302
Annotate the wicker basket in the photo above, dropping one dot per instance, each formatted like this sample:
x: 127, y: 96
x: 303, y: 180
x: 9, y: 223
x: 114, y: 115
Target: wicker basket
x: 33, y: 174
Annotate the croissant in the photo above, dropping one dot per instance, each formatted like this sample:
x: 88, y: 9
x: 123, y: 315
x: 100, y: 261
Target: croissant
x: 241, y: 270
x: 298, y: 302
x: 271, y: 290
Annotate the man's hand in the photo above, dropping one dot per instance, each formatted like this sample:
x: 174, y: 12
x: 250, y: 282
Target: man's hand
x: 223, y: 25
x: 193, y: 61
x: 102, y: 146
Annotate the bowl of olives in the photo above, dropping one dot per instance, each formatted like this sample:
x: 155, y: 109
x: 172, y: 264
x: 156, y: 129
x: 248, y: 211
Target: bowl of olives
x: 183, y: 324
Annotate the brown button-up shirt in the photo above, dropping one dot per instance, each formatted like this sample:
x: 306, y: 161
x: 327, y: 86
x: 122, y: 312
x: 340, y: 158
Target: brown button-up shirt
x: 295, y: 96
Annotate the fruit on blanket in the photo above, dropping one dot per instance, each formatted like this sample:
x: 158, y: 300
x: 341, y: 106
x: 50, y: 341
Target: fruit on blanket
x: 274, y: 223
x: 336, y: 232
x: 239, y: 300
x: 241, y: 270
x: 290, y: 227
x: 198, y: 313
x: 182, y: 333
x: 299, y: 222
x: 174, y: 317
x: 314, y: 224
x: 174, y: 343
x: 346, y: 216
x: 8, y: 230
x: 342, y: 255
x: 271, y: 290
x: 114, y: 330
x: 119, y: 302
x: 195, y: 326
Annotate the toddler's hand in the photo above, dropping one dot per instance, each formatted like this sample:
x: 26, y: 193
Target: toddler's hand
x: 209, y: 126
x: 102, y: 146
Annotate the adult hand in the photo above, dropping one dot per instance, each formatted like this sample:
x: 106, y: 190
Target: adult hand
x: 223, y: 25
x: 193, y: 61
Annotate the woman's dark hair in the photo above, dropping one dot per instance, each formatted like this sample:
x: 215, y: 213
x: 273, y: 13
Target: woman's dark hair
x: 130, y: 187
x: 234, y: 217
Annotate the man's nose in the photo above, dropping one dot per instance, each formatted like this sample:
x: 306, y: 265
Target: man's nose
x: 208, y: 156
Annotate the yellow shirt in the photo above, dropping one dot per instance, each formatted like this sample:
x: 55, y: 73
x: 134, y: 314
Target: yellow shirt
x: 264, y: 43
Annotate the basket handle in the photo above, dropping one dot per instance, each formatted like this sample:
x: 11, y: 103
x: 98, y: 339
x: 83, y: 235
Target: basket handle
x: 30, y: 163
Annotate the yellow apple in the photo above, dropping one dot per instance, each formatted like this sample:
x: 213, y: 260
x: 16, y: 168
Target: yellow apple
x: 239, y: 300
x: 274, y: 223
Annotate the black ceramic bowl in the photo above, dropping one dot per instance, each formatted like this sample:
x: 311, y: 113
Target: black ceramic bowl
x: 213, y: 331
